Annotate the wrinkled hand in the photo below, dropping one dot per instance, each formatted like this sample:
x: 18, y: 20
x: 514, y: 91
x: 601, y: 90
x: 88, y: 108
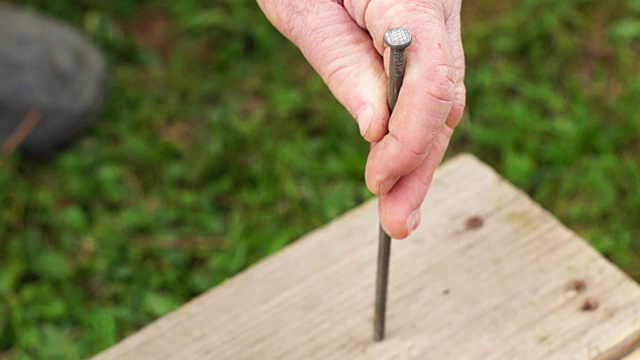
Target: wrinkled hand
x: 343, y: 41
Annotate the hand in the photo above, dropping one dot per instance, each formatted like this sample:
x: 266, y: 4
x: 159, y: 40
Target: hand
x: 343, y: 41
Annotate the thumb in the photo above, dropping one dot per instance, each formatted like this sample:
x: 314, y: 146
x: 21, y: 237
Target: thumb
x: 343, y: 55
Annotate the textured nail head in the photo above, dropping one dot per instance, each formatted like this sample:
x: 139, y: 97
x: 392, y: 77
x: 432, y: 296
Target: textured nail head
x: 397, y: 38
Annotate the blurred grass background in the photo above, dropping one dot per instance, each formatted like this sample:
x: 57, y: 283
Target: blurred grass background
x: 220, y: 145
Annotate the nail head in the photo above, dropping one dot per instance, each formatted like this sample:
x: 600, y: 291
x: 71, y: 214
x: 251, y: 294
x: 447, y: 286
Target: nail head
x: 397, y: 38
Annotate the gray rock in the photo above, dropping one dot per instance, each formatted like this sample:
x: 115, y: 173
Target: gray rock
x: 49, y: 66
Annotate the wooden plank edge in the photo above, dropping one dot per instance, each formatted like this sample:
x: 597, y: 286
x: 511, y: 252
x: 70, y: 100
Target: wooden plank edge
x: 631, y: 352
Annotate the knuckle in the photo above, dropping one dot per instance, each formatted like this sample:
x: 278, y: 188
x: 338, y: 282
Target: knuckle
x: 432, y: 9
x: 439, y: 83
x: 357, y: 10
x: 412, y: 150
x: 461, y: 96
x: 457, y: 109
x: 424, y: 10
x: 336, y: 72
x: 421, y: 13
x: 291, y: 24
x: 294, y: 19
x: 339, y: 71
x: 397, y: 12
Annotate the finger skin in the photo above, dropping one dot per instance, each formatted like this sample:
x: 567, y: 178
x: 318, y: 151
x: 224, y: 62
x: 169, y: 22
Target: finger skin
x: 343, y: 41
x: 424, y: 102
x: 343, y: 55
x: 409, y: 192
x: 430, y: 105
x: 455, y: 39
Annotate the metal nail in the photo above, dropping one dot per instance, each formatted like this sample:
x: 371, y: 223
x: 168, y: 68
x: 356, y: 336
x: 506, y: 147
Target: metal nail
x: 397, y: 39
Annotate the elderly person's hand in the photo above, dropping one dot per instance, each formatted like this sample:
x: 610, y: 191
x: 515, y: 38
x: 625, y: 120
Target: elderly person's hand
x: 343, y: 41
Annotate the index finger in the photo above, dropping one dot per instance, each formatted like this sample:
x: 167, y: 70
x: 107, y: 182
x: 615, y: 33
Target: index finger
x: 425, y: 99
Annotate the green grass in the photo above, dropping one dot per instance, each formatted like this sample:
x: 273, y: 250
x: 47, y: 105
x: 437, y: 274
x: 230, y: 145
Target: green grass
x: 216, y: 150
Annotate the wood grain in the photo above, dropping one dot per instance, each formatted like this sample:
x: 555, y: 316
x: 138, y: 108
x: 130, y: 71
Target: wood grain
x: 511, y: 283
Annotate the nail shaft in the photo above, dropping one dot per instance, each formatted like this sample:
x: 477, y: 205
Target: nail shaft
x: 396, y: 75
x: 382, y: 280
x: 398, y: 39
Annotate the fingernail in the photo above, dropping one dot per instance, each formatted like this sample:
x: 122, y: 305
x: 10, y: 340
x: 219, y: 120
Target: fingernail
x: 413, y: 220
x: 364, y: 118
x: 386, y: 186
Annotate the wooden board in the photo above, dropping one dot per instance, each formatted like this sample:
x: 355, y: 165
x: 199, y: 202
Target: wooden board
x: 518, y: 286
x: 633, y: 356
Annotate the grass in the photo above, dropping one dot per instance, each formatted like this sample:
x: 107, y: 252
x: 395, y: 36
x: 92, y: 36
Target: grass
x: 220, y: 145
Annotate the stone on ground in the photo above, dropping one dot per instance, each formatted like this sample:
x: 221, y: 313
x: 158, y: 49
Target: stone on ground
x: 48, y: 66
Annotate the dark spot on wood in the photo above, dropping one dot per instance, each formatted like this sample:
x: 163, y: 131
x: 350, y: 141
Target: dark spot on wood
x: 577, y: 285
x: 474, y: 222
x: 589, y: 305
x: 446, y: 291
